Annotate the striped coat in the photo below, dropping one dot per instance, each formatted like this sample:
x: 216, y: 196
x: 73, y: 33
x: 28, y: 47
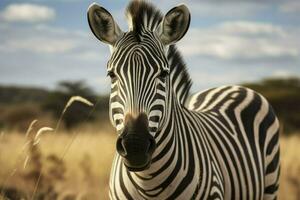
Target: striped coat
x: 222, y: 143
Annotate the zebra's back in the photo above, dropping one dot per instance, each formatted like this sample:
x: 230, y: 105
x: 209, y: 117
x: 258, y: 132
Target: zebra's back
x: 243, y: 132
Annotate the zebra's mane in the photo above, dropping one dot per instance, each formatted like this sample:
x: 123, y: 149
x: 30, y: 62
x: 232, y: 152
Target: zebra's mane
x: 180, y: 76
x: 143, y: 15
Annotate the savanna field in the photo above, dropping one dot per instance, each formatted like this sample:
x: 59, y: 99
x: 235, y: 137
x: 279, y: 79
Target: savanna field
x: 68, y: 151
x: 76, y: 165
x: 61, y: 166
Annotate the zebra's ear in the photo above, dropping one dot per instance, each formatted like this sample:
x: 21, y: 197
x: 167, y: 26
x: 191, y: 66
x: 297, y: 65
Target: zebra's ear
x: 174, y: 25
x: 102, y: 24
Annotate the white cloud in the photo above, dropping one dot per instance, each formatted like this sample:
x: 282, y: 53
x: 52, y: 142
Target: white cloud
x: 26, y: 12
x: 242, y: 40
x: 90, y: 55
x: 215, y: 9
x: 43, y: 40
x: 250, y: 28
x: 282, y: 73
x: 41, y: 45
x: 43, y: 55
x: 290, y: 7
x: 36, y: 39
x: 227, y: 9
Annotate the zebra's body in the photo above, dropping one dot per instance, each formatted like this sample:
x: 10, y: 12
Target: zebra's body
x: 224, y: 154
x: 218, y: 144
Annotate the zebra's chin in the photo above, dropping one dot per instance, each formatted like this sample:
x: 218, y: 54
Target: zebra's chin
x: 136, y: 168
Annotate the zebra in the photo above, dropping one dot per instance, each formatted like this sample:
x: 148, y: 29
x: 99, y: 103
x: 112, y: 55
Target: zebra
x: 221, y: 143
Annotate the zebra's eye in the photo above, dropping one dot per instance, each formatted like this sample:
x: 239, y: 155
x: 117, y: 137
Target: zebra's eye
x: 164, y: 73
x: 111, y: 74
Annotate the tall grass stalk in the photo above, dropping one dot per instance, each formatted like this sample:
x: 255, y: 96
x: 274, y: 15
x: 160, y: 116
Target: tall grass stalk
x: 69, y: 103
x: 19, y: 159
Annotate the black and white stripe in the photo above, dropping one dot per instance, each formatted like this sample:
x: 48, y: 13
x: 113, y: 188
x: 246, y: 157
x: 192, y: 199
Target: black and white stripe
x: 218, y: 144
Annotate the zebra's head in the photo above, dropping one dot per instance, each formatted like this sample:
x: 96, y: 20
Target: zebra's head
x: 139, y: 72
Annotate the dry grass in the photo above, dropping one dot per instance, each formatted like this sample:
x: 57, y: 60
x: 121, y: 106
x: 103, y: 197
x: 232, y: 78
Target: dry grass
x: 290, y: 167
x: 68, y: 166
x: 79, y: 167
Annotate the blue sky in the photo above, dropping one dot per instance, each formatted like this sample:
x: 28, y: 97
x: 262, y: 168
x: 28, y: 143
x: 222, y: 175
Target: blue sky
x: 229, y: 41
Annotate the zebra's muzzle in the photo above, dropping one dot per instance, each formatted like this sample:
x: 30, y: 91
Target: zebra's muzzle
x: 136, y: 145
x: 136, y: 151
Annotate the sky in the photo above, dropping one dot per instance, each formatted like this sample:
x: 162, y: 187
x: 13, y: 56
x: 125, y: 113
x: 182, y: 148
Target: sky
x: 43, y: 42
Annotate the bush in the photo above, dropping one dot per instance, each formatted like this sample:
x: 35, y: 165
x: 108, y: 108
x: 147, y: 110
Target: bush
x: 19, y: 116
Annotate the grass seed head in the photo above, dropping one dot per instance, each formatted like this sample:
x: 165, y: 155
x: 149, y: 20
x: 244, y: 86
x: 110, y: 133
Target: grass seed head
x: 30, y: 127
x: 39, y: 133
x: 78, y: 99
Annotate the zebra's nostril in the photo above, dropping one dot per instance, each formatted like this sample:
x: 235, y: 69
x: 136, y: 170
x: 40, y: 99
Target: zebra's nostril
x: 120, y: 147
x: 135, y: 145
